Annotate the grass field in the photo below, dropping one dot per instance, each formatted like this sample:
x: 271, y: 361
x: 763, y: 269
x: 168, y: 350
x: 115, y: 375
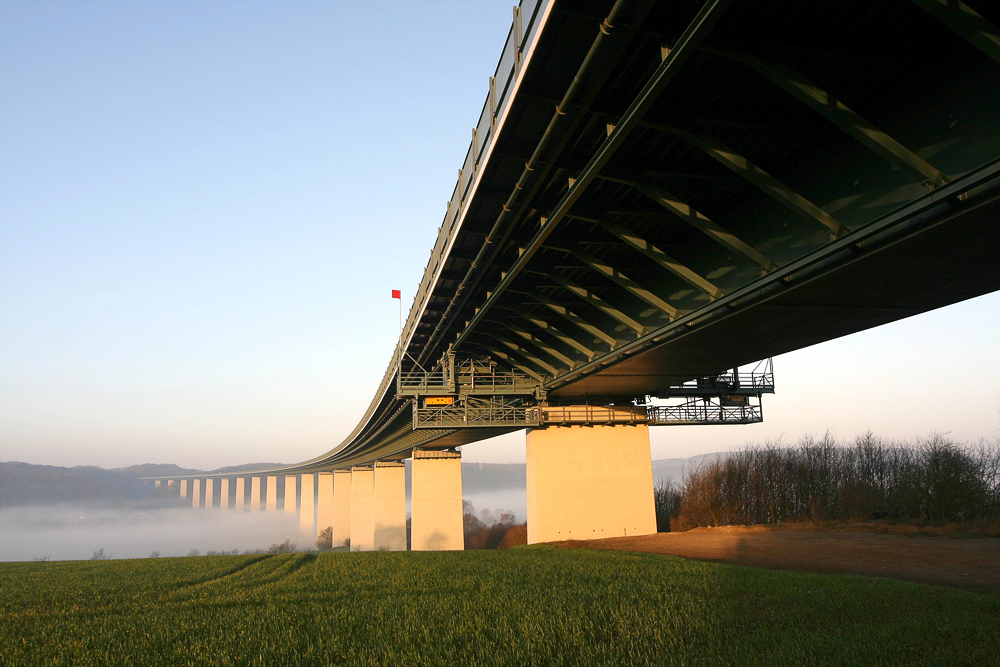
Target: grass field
x: 529, y: 606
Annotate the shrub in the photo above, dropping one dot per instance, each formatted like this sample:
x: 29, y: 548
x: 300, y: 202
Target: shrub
x: 325, y: 538
x: 285, y: 547
x: 667, y: 502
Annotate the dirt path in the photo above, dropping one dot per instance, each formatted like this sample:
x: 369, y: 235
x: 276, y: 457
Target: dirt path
x: 972, y: 564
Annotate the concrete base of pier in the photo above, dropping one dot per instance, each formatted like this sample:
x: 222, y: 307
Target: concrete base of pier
x: 436, y: 502
x: 588, y: 482
x: 324, y: 504
x: 390, y: 506
x: 255, y: 494
x: 341, y: 507
x: 291, y: 506
x: 362, y: 508
x: 307, y: 510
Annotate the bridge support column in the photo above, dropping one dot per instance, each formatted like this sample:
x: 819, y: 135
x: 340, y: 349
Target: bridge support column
x: 272, y: 493
x: 241, y: 494
x: 390, y: 506
x: 209, y: 493
x: 290, y: 505
x: 341, y: 508
x: 184, y: 488
x: 362, y: 508
x: 170, y: 484
x: 196, y: 494
x: 156, y: 483
x: 324, y: 504
x: 436, y: 502
x: 588, y: 482
x: 307, y: 508
x: 255, y: 494
x: 224, y: 493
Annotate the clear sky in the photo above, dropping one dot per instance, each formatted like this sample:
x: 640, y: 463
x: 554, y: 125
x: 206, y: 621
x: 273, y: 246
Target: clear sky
x: 204, y: 207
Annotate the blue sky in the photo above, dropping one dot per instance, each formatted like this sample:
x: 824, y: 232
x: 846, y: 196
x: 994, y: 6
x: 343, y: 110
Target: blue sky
x: 204, y: 206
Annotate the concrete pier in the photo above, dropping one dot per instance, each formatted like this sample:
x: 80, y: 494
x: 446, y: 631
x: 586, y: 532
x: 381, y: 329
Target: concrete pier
x: 184, y: 488
x: 241, y: 494
x: 272, y: 493
x: 436, y: 502
x: 196, y: 494
x: 341, y: 507
x: 255, y: 494
x: 224, y: 493
x: 209, y: 493
x: 307, y: 511
x: 362, y: 508
x: 291, y: 506
x: 390, y: 506
x: 156, y: 483
x: 588, y: 482
x: 324, y: 502
x: 170, y: 484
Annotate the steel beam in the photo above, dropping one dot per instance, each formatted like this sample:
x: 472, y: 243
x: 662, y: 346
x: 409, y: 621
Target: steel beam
x: 663, y: 259
x: 840, y: 115
x: 560, y: 309
x: 972, y: 27
x: 540, y: 344
x: 619, y: 278
x: 552, y: 370
x: 703, y: 224
x: 690, y: 39
x: 598, y: 302
x: 515, y: 363
x: 756, y: 176
x: 562, y: 337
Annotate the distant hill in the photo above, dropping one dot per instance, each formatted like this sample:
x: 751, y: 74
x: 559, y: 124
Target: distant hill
x: 28, y: 484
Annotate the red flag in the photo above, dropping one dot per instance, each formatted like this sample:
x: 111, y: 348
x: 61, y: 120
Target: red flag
x: 396, y: 294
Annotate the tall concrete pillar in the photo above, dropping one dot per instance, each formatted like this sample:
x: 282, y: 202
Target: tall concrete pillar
x: 209, y: 493
x: 307, y: 509
x: 241, y: 493
x: 184, y: 488
x: 341, y: 507
x: 272, y: 493
x: 254, y: 494
x: 196, y: 494
x: 290, y: 505
x: 390, y: 506
x: 436, y: 502
x: 362, y: 508
x: 224, y: 494
x: 588, y: 482
x: 170, y: 484
x: 156, y: 483
x: 324, y: 502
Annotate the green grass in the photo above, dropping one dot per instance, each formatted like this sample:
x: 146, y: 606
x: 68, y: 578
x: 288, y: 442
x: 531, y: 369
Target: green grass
x: 534, y: 606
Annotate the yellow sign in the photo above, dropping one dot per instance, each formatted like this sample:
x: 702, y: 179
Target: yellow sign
x: 439, y: 400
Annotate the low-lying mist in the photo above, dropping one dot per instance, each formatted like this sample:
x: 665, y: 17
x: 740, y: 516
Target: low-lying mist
x: 74, y: 531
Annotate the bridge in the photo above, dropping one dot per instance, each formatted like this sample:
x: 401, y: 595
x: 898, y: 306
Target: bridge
x: 657, y: 198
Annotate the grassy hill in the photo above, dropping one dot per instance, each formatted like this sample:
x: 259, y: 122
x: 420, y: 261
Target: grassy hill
x: 526, y: 606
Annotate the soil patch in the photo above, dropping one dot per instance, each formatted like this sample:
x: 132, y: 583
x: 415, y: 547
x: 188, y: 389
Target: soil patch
x: 971, y: 564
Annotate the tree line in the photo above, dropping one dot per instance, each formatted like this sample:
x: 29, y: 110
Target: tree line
x: 935, y: 480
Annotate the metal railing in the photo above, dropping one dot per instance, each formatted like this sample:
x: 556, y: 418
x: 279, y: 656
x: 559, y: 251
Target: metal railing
x: 701, y: 412
x: 520, y: 38
x: 472, y: 415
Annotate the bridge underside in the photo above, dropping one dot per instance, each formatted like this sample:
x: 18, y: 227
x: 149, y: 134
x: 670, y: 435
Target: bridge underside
x: 660, y: 191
